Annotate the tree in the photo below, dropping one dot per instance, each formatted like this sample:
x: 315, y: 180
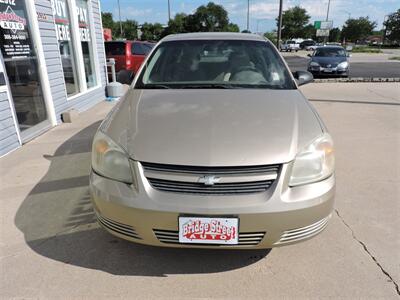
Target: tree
x: 294, y: 21
x: 392, y: 25
x: 107, y: 20
x: 151, y: 32
x: 357, y: 29
x: 271, y: 36
x: 130, y: 28
x: 334, y: 35
x: 177, y: 24
x: 232, y: 28
x: 212, y: 17
x: 308, y: 32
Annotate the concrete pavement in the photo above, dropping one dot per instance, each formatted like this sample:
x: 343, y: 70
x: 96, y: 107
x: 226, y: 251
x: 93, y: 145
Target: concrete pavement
x: 51, y: 247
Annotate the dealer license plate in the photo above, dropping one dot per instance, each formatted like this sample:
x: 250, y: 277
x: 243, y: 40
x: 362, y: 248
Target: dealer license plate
x: 199, y: 230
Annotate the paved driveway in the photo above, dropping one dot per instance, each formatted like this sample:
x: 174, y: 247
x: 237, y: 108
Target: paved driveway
x: 51, y: 246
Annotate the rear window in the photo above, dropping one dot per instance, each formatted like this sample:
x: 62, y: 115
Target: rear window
x: 137, y: 49
x: 115, y: 48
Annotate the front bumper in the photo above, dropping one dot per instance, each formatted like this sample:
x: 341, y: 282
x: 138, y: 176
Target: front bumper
x: 326, y: 72
x: 279, y: 216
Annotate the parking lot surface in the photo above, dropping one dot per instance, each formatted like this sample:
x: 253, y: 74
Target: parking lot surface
x: 51, y: 246
x: 361, y: 65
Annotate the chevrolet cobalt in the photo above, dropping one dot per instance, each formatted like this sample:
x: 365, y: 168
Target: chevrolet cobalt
x: 213, y: 146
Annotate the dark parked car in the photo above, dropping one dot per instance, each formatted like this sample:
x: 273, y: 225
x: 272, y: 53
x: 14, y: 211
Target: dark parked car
x: 128, y: 56
x: 329, y: 61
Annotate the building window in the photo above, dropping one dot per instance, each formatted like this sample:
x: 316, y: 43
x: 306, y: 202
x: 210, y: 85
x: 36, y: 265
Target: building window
x: 63, y: 29
x: 82, y: 10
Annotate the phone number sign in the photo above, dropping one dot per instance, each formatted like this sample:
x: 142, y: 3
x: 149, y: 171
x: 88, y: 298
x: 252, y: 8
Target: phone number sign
x: 14, y: 36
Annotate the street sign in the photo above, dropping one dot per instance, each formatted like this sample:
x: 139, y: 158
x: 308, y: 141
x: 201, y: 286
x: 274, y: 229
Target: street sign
x: 322, y: 32
x: 323, y: 24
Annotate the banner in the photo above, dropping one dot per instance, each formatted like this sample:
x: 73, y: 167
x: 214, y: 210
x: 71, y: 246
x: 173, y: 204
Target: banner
x: 14, y: 32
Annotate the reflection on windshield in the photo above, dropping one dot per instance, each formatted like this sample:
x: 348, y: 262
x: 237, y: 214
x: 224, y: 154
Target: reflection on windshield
x: 330, y: 52
x: 215, y: 64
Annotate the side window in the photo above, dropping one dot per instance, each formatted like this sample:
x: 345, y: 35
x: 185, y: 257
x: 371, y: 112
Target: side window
x: 137, y: 49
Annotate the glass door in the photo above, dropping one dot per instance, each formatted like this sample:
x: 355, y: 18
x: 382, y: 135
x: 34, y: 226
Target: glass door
x: 21, y: 65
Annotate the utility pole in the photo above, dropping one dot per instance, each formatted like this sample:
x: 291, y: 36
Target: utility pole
x: 327, y: 13
x: 169, y: 11
x: 327, y: 18
x: 248, y: 14
x: 278, y: 42
x: 120, y: 23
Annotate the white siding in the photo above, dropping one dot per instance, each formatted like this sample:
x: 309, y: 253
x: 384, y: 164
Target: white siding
x: 8, y: 134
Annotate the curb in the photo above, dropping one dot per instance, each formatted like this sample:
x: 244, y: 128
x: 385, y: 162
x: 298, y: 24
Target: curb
x: 357, y: 79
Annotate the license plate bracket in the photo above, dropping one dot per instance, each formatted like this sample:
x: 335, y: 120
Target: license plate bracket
x: 209, y: 230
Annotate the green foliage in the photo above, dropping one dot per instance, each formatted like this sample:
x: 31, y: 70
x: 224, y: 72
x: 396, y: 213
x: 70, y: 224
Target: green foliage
x: 107, y: 20
x: 294, y: 21
x: 151, y: 32
x: 392, y: 25
x: 357, y: 29
x: 210, y: 17
x: 130, y: 28
x: 334, y: 35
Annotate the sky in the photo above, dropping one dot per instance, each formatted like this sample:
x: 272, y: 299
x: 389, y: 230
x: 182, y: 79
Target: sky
x: 262, y: 12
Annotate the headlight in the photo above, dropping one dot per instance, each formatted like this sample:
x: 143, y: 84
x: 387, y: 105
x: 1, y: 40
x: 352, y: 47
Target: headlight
x: 109, y: 160
x: 343, y: 65
x: 314, y: 163
x: 314, y: 64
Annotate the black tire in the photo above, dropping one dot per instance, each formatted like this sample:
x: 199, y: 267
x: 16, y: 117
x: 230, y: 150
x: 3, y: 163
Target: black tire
x: 125, y: 76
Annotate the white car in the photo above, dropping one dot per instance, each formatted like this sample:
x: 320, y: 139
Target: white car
x: 290, y: 45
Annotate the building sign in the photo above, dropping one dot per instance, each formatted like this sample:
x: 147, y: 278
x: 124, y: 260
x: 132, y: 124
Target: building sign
x: 14, y: 33
x: 322, y: 32
x: 61, y: 19
x: 323, y: 25
x: 83, y: 19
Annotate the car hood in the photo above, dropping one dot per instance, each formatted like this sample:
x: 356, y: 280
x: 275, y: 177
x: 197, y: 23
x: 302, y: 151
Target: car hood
x: 328, y: 60
x: 213, y: 127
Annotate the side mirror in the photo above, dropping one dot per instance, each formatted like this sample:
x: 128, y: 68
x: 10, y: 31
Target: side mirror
x: 348, y: 55
x: 309, y: 55
x: 303, y: 77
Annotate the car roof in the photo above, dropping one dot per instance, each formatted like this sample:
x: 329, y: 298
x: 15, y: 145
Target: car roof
x: 331, y: 46
x: 130, y: 41
x: 214, y: 36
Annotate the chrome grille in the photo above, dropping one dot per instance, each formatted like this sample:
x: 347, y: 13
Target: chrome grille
x: 303, y: 232
x: 245, y: 238
x: 229, y: 180
x: 117, y: 227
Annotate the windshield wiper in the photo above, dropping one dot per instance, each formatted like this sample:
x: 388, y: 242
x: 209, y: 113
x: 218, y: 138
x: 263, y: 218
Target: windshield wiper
x: 154, y: 86
x: 208, y: 86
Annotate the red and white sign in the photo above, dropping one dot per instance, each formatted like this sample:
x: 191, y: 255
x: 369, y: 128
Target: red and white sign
x: 208, y: 230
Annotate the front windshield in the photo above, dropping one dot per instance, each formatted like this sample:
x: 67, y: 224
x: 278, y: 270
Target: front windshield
x: 215, y: 64
x: 330, y: 52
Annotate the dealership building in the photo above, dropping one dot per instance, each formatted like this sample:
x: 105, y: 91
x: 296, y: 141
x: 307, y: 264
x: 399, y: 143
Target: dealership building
x: 52, y: 60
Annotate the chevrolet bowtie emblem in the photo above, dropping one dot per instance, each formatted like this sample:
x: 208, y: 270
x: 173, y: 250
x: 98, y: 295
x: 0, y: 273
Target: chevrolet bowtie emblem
x: 209, y: 179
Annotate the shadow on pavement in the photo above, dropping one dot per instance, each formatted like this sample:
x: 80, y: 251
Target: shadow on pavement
x: 58, y: 222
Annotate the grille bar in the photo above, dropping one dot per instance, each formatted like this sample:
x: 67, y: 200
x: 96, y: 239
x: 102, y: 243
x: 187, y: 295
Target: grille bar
x: 303, y: 232
x: 117, y: 227
x: 172, y: 237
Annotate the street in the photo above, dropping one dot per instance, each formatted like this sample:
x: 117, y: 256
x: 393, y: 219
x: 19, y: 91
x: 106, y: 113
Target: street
x: 52, y: 246
x: 365, y: 66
